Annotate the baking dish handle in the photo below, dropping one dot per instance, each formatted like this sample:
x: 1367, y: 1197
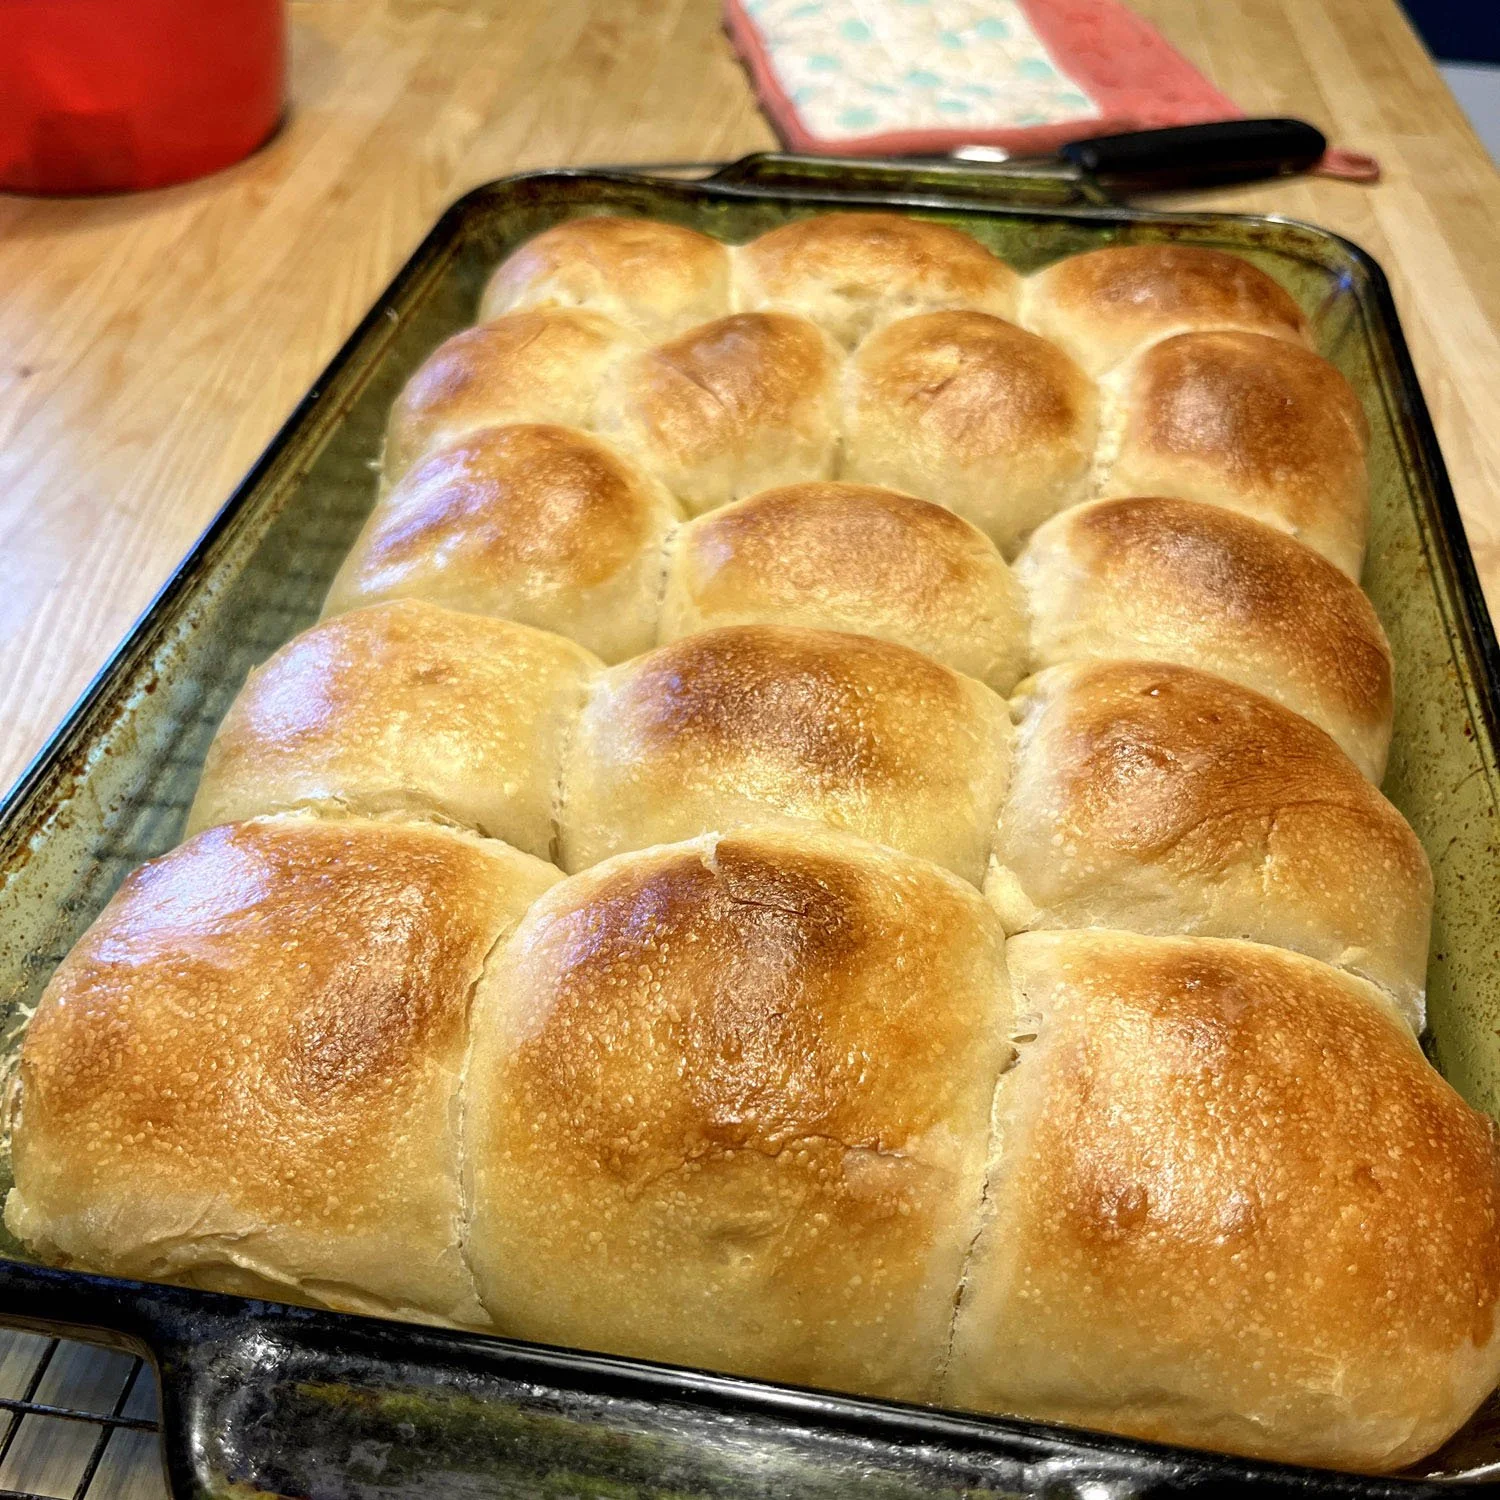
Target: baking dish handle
x: 1015, y: 184
x: 261, y: 1398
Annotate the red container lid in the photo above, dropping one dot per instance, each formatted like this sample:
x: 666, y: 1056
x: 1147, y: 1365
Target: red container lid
x: 104, y: 96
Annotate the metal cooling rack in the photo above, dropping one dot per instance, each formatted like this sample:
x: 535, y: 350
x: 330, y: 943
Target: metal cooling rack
x: 77, y: 1422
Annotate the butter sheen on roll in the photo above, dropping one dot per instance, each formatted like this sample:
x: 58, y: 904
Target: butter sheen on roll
x: 729, y: 1105
x: 543, y: 525
x: 1252, y: 423
x: 851, y: 557
x: 542, y: 366
x: 852, y: 272
x: 403, y: 710
x: 748, y: 723
x: 659, y: 279
x: 1162, y: 800
x: 245, y: 1075
x: 1105, y: 304
x: 729, y: 408
x: 973, y: 413
x: 1231, y: 1207
x: 1172, y: 580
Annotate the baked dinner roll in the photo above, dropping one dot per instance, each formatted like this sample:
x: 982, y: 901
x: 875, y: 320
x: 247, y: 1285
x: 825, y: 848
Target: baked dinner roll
x: 973, y: 413
x: 731, y: 407
x: 659, y: 279
x: 1255, y: 424
x: 1171, y: 580
x: 1233, y: 1207
x: 851, y: 557
x: 543, y: 525
x: 746, y: 723
x: 729, y: 1106
x: 1158, y: 799
x: 245, y: 1074
x: 851, y: 272
x: 1105, y: 304
x: 542, y: 366
x: 408, y: 710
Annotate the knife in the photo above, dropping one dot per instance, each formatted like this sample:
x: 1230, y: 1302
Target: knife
x: 1179, y: 156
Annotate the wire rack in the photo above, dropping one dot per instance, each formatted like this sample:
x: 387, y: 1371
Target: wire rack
x: 77, y: 1422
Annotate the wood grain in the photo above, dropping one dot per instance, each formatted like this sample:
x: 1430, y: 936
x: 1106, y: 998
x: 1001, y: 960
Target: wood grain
x: 151, y: 345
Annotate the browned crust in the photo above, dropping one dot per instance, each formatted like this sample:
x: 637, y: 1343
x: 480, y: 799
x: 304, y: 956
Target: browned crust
x: 650, y: 274
x: 847, y: 266
x: 1237, y: 1209
x: 1173, y: 579
x: 726, y: 384
x: 1252, y: 422
x: 548, y: 502
x: 1103, y: 303
x: 731, y: 1107
x: 543, y: 365
x: 973, y: 386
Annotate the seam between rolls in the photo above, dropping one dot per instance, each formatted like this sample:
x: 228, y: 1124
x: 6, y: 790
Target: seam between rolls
x: 466, y: 1193
x: 1108, y: 439
x: 980, y: 1219
x: 565, y: 742
x: 665, y: 551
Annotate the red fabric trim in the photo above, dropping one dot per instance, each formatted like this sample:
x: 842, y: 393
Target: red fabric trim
x: 1136, y: 79
x: 1125, y: 65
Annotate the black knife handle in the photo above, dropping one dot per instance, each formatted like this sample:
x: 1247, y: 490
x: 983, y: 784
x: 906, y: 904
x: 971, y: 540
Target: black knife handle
x: 1195, y: 155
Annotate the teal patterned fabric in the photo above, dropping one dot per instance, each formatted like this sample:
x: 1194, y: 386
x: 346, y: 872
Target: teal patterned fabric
x: 871, y: 66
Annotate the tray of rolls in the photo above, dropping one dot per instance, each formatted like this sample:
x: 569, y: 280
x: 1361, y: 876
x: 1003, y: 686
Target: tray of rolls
x: 806, y: 831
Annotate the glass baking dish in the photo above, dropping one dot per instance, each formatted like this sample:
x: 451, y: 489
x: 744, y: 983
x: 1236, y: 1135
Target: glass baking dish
x: 263, y: 1398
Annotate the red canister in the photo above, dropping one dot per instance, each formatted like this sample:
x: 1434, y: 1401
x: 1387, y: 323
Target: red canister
x: 106, y: 96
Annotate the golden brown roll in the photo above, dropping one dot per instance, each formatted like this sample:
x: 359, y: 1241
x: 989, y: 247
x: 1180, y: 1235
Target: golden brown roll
x: 973, y: 413
x: 405, y: 710
x: 851, y: 557
x: 1158, y: 799
x: 1233, y: 1208
x: 659, y: 279
x: 543, y: 525
x: 542, y: 366
x: 746, y: 723
x: 1105, y: 304
x: 731, y: 407
x: 729, y: 1106
x: 1252, y: 423
x: 245, y: 1074
x: 1172, y: 580
x: 851, y: 272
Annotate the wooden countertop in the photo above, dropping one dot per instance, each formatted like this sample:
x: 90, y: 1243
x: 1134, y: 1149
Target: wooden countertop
x: 151, y: 345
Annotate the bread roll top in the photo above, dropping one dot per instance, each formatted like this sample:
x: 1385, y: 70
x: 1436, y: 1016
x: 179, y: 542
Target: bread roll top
x: 1255, y: 424
x: 245, y: 1073
x: 973, y: 413
x: 850, y: 272
x: 857, y: 558
x: 1173, y: 580
x: 1158, y: 799
x: 539, y: 524
x: 1103, y: 305
x: 540, y: 366
x: 1232, y: 1207
x: 729, y: 1106
x: 731, y: 407
x: 742, y: 724
x: 403, y: 709
x: 659, y: 279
